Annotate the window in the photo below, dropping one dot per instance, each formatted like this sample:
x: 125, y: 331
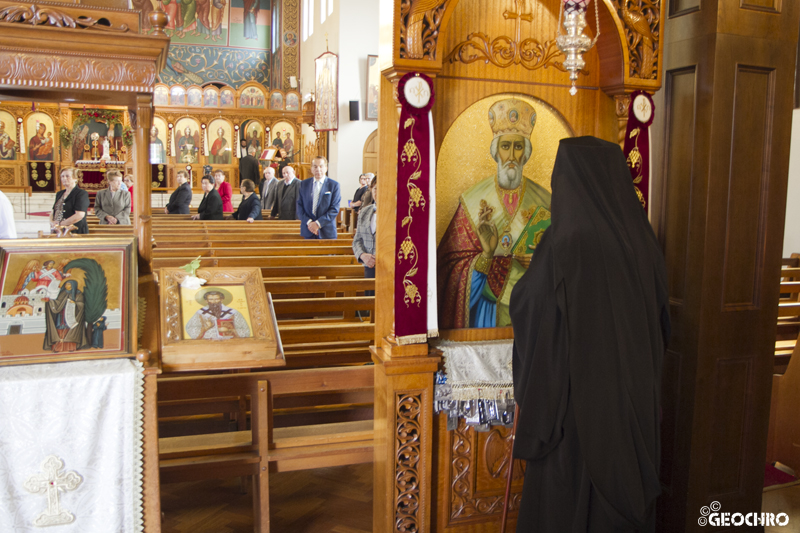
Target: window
x: 307, y: 22
x: 330, y: 7
x: 310, y: 18
x: 322, y: 13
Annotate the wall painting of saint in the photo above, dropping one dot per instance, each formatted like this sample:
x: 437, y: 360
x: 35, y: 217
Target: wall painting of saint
x: 187, y: 141
x: 251, y: 24
x: 161, y: 95
x: 41, y: 143
x: 8, y: 136
x: 66, y: 301
x: 219, y: 137
x: 490, y: 219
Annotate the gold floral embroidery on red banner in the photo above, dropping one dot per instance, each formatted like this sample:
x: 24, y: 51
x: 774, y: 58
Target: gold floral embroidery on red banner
x: 408, y: 250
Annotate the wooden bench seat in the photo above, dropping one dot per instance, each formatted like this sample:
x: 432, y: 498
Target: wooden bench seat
x: 255, y: 250
x: 263, y: 448
x: 263, y: 262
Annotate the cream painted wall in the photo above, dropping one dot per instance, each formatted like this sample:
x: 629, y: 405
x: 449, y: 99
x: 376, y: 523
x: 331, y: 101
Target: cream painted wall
x: 352, y: 32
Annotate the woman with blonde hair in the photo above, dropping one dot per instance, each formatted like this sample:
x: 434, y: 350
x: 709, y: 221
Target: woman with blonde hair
x: 71, y: 204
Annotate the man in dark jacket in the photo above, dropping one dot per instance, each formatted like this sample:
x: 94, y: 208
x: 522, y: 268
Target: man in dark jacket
x: 286, y: 200
x: 248, y: 166
x: 250, y: 207
x: 211, y: 206
x: 268, y: 189
x: 181, y: 197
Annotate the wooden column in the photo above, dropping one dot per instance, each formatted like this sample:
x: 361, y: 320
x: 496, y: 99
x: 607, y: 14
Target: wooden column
x: 726, y: 124
x: 142, y: 189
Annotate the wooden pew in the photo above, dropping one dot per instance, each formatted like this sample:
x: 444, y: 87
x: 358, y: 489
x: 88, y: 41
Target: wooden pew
x: 268, y: 447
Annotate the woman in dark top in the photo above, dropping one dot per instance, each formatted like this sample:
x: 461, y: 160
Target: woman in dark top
x: 250, y: 208
x: 181, y: 197
x: 71, y: 205
x: 211, y: 206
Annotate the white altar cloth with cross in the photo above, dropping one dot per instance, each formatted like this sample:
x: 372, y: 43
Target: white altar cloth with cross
x: 71, y: 447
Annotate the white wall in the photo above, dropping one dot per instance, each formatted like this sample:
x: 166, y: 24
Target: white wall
x: 791, y: 235
x: 352, y: 34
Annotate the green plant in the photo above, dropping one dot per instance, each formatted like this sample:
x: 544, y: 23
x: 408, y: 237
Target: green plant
x: 127, y: 136
x: 95, y: 289
x: 66, y: 136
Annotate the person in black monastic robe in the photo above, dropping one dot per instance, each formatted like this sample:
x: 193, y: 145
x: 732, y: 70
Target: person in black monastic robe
x: 591, y: 322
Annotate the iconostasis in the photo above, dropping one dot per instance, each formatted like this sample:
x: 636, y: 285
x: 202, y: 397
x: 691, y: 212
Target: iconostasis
x: 193, y: 128
x: 199, y: 127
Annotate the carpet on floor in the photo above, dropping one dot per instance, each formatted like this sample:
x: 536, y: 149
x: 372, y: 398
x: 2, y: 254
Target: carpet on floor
x: 774, y: 476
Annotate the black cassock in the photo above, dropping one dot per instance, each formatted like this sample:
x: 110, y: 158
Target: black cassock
x: 591, y: 322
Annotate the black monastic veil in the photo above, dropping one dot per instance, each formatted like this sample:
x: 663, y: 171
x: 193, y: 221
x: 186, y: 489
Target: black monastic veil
x: 591, y: 322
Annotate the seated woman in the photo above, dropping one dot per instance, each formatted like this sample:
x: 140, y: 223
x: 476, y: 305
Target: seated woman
x: 181, y: 197
x: 71, y: 205
x: 113, y: 205
x: 211, y: 206
x: 250, y: 208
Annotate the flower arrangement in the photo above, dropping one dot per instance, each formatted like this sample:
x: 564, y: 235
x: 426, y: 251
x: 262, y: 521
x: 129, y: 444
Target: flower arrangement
x: 65, y: 135
x: 107, y: 116
x: 127, y: 136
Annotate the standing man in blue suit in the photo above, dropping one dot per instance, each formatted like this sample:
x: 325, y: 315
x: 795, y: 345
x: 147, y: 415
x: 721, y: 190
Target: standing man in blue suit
x: 318, y: 203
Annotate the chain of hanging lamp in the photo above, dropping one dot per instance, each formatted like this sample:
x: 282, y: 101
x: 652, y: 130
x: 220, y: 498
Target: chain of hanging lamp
x: 574, y: 44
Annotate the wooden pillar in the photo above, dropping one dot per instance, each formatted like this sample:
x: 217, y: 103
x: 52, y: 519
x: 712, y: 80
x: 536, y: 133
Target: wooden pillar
x: 726, y: 124
x: 403, y: 374
x: 142, y: 188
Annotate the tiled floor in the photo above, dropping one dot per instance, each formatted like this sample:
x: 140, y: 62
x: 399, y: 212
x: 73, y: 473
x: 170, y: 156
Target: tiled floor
x: 783, y: 500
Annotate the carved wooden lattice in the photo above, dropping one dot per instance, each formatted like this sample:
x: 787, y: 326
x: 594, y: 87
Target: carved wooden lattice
x: 31, y: 14
x: 7, y: 176
x: 466, y: 459
x: 408, y: 452
x: 642, y: 20
x: 419, y: 27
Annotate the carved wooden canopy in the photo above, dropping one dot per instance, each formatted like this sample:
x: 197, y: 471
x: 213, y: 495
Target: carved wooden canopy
x: 76, y: 53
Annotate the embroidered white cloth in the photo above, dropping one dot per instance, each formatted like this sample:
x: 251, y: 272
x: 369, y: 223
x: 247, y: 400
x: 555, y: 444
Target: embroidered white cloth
x: 88, y: 416
x: 478, y: 370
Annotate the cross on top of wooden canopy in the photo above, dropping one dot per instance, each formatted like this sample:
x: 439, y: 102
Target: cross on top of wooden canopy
x: 519, y: 16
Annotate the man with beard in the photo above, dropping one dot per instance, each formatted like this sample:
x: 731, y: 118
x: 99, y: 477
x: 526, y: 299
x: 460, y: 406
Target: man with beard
x: 220, y: 153
x: 499, y: 221
x: 216, y: 321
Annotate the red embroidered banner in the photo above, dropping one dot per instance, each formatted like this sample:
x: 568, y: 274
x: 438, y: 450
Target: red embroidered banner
x: 414, y: 148
x: 637, y: 143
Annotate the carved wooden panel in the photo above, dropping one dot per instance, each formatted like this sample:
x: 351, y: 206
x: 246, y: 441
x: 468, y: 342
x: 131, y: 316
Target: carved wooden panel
x: 509, y: 40
x: 419, y: 28
x: 408, y: 451
x: 473, y: 468
x: 730, y: 420
x: 747, y: 186
x: 642, y: 19
x: 678, y: 173
x: 60, y: 71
